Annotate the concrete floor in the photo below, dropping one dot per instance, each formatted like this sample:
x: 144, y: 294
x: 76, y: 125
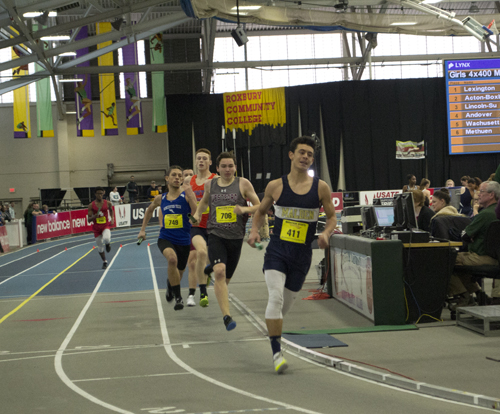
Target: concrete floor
x: 108, y: 345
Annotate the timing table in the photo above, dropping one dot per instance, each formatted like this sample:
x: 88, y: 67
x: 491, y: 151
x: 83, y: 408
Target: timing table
x: 389, y: 282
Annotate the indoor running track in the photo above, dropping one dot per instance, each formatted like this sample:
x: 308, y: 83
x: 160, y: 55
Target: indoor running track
x: 78, y: 339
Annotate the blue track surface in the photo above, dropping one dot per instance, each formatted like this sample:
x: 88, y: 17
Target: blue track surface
x: 24, y: 272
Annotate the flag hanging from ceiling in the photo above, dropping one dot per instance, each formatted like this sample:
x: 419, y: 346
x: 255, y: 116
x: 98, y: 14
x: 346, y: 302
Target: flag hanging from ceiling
x: 109, y: 116
x: 45, y: 126
x: 157, y: 80
x: 132, y: 101
x: 22, y: 124
x: 83, y: 91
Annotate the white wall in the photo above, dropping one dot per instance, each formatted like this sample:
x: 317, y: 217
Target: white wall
x: 68, y: 161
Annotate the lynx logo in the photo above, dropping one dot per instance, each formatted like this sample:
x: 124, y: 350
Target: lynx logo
x: 450, y: 65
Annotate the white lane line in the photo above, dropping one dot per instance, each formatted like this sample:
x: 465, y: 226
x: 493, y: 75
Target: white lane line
x: 32, y: 267
x: 132, y: 376
x: 58, y: 359
x: 170, y: 352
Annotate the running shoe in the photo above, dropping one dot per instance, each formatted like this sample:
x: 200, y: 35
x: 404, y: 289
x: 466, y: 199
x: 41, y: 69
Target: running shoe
x: 230, y: 324
x: 169, y: 295
x: 179, y: 304
x: 108, y: 248
x: 280, y: 364
x: 104, y: 265
x: 190, y: 301
x: 203, y: 300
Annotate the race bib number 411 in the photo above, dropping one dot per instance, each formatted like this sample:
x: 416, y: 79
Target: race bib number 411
x: 225, y: 214
x: 294, y: 231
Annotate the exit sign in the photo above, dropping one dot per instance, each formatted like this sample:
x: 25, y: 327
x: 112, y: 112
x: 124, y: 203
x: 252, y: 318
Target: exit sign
x: 12, y: 190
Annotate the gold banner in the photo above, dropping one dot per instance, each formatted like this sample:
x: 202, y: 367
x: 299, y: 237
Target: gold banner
x: 245, y: 110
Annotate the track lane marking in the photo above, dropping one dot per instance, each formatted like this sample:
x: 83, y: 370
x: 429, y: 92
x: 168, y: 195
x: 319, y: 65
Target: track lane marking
x: 170, y: 352
x: 43, y: 287
x: 60, y: 352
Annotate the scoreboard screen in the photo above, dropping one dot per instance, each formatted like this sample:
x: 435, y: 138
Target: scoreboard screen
x: 473, y: 102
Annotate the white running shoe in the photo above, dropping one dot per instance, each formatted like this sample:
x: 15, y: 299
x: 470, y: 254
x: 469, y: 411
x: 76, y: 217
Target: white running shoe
x: 190, y: 301
x: 280, y: 364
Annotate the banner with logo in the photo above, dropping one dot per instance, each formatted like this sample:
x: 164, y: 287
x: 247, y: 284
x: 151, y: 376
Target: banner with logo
x: 83, y: 93
x: 410, y: 150
x: 49, y: 226
x: 109, y: 116
x: 158, y: 84
x: 22, y: 123
x: 366, y: 197
x: 4, y: 239
x: 122, y: 215
x: 45, y: 126
x: 352, y: 277
x: 245, y: 110
x: 137, y: 212
x: 132, y: 93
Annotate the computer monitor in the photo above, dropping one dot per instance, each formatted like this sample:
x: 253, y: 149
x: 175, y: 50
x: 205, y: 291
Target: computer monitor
x: 384, y: 215
x: 409, y: 211
x: 368, y: 217
x: 399, y: 217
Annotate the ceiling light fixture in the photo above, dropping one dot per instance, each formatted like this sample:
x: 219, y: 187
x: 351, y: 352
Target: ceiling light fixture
x: 68, y: 54
x: 473, y: 8
x: 71, y: 80
x: 247, y: 8
x: 403, y: 24
x: 57, y: 37
x: 36, y: 14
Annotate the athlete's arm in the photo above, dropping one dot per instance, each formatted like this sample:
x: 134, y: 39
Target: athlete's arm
x: 90, y: 215
x: 147, y: 216
x: 260, y: 213
x: 110, y: 209
x: 204, y: 202
x: 331, y: 219
x: 248, y: 193
x: 190, y: 197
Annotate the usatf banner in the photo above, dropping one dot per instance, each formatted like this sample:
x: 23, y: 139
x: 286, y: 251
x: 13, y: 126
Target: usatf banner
x: 45, y: 126
x: 83, y: 91
x: 132, y: 101
x: 22, y: 124
x: 409, y: 150
x: 157, y: 79
x: 109, y: 121
x: 245, y: 110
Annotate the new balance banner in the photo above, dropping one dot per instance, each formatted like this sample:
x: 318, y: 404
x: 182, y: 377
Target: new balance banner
x: 409, y: 150
x: 83, y: 91
x: 157, y: 79
x: 45, y: 126
x: 132, y: 101
x: 22, y: 124
x: 109, y: 121
x: 246, y: 110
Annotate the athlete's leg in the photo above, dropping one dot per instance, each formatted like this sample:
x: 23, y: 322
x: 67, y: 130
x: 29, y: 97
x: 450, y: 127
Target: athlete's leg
x: 106, y: 239
x: 100, y: 248
x: 200, y: 245
x: 275, y: 281
x: 192, y: 279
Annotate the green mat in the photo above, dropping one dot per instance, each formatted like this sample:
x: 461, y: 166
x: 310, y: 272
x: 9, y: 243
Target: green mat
x: 364, y: 329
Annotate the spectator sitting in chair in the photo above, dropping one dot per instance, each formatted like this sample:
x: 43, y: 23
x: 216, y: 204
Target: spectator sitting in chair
x: 461, y: 284
x: 441, y: 204
x: 424, y: 214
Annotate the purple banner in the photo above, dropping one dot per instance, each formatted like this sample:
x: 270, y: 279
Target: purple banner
x: 83, y: 91
x: 133, y: 106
